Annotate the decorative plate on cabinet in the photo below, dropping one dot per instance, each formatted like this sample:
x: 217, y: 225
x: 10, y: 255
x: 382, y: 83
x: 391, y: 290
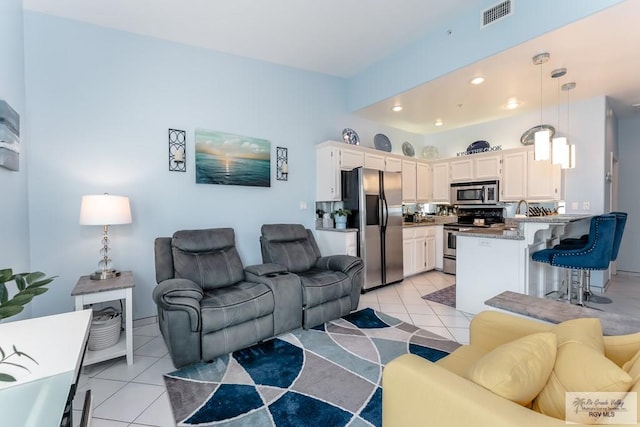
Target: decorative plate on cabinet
x: 407, y: 149
x: 430, y: 152
x: 381, y: 142
x: 529, y: 136
x: 477, y: 147
x: 350, y: 136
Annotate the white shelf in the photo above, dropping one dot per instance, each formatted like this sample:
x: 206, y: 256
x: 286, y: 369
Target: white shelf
x: 116, y: 350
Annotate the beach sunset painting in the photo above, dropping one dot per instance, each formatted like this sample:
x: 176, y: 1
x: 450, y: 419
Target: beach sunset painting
x: 228, y: 159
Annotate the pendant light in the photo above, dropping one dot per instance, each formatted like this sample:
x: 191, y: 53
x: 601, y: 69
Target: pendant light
x: 559, y: 151
x: 570, y: 149
x: 542, y: 137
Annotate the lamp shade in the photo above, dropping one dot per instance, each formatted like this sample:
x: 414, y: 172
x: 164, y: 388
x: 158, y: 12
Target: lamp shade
x: 105, y: 209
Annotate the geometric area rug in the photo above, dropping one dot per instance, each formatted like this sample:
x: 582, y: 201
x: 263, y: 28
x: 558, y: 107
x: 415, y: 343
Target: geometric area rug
x: 327, y: 376
x: 446, y: 296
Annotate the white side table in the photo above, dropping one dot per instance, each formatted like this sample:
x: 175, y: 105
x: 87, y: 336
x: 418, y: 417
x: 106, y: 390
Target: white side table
x: 89, y: 291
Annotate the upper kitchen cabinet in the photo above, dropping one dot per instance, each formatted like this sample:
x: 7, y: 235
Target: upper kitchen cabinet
x: 524, y: 178
x: 374, y: 161
x: 544, y: 179
x: 440, y: 180
x: 476, y: 167
x: 409, y: 182
x: 424, y: 182
x: 392, y: 164
x: 331, y: 159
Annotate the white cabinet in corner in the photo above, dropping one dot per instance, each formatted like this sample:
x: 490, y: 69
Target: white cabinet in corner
x: 424, y: 182
x: 334, y: 242
x: 331, y: 159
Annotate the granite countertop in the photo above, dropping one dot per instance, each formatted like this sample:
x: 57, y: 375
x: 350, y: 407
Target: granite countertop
x: 492, y: 233
x: 433, y: 220
x: 562, y: 219
x: 339, y: 230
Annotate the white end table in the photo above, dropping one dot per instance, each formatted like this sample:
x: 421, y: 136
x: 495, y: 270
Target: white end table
x: 89, y: 291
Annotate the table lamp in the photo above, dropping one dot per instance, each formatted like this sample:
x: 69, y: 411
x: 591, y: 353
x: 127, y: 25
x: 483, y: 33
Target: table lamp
x: 105, y: 210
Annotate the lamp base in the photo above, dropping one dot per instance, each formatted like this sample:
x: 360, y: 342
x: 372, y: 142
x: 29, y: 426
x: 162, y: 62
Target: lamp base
x: 104, y: 274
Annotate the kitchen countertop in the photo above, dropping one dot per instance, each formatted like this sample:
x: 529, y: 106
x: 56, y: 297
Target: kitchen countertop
x: 339, y: 230
x: 560, y: 219
x: 507, y: 233
x: 437, y: 220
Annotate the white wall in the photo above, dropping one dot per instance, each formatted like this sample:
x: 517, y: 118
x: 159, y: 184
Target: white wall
x: 101, y: 102
x: 14, y: 213
x: 629, y: 159
x: 585, y: 183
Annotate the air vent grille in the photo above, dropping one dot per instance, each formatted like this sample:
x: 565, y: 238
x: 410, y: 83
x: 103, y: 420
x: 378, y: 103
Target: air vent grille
x: 497, y: 12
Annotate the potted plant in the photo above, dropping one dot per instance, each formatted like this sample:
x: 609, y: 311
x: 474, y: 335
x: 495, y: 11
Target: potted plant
x: 340, y: 215
x: 29, y: 285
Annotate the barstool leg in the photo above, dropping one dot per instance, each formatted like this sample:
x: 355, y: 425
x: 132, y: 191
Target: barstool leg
x: 580, y: 289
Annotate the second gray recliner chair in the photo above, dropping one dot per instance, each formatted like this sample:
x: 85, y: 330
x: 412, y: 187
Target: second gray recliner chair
x: 330, y: 285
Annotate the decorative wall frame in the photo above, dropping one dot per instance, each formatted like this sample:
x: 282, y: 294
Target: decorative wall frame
x: 9, y: 137
x: 229, y: 159
x: 282, y: 164
x: 177, y: 150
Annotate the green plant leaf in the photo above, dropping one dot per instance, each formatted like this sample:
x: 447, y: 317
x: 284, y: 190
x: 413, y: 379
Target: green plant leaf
x: 20, y: 299
x: 42, y: 282
x: 9, y: 310
x: 5, y: 275
x: 34, y: 291
x: 32, y: 277
x: 20, y: 282
x: 4, y: 294
x: 6, y: 378
x: 20, y: 353
x: 1, y: 353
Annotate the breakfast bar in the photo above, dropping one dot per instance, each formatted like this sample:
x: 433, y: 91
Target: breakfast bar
x: 497, y: 259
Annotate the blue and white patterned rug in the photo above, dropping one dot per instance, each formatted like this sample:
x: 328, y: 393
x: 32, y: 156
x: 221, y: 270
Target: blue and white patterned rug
x: 327, y: 376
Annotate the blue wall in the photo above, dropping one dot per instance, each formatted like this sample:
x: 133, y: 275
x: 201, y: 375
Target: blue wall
x: 100, y: 103
x: 437, y: 53
x: 14, y: 213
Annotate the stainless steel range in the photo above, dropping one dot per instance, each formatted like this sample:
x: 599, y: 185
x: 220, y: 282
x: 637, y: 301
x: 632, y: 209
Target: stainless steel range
x: 468, y: 218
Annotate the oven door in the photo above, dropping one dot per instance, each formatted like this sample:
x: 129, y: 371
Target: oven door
x: 450, y: 242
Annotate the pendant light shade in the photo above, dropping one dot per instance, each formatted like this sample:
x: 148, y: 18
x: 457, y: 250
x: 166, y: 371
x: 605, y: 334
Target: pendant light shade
x: 541, y: 145
x: 542, y: 137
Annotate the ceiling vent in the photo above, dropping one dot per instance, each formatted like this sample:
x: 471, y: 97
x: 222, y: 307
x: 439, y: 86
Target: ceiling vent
x: 496, y: 13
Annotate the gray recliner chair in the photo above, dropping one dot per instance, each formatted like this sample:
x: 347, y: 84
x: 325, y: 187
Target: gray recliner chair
x: 330, y: 285
x: 208, y: 305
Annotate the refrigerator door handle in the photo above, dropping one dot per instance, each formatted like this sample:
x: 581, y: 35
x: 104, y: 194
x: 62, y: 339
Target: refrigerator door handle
x: 386, y: 213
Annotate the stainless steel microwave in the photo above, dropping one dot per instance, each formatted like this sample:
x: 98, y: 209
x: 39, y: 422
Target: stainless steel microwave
x: 474, y: 193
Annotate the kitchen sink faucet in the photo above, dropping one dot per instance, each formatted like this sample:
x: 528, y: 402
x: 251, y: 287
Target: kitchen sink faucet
x: 526, y: 204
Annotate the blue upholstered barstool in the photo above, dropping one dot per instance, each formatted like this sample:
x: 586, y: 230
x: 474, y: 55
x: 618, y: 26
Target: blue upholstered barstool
x: 595, y: 255
x: 575, y: 243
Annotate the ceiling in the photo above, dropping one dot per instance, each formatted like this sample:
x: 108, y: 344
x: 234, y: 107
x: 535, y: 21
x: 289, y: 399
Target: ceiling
x: 342, y: 38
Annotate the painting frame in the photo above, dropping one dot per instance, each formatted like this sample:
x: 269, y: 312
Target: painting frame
x: 229, y: 159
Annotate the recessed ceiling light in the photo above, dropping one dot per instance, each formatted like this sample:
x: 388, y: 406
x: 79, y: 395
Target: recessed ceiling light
x: 396, y: 108
x: 512, y: 104
x: 477, y: 80
x: 438, y: 122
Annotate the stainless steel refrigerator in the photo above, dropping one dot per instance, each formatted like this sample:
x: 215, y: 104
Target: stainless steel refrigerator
x: 375, y: 201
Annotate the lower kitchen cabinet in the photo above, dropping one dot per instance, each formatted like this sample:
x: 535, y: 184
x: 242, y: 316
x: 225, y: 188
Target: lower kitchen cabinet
x: 419, y: 249
x: 337, y: 242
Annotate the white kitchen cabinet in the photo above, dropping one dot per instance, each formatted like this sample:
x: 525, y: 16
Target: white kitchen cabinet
x: 408, y: 252
x: 374, y: 161
x: 333, y: 242
x: 487, y: 166
x: 513, y: 185
x: 424, y: 185
x: 461, y: 169
x: 440, y: 175
x: 331, y: 159
x: 524, y: 178
x: 439, y: 249
x: 408, y: 181
x: 393, y: 164
x: 419, y: 249
x: 544, y: 179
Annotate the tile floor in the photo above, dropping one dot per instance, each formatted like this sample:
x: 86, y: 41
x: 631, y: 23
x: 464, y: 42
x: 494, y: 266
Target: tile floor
x: 134, y: 396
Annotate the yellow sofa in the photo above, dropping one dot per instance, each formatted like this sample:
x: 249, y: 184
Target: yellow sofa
x: 417, y: 392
